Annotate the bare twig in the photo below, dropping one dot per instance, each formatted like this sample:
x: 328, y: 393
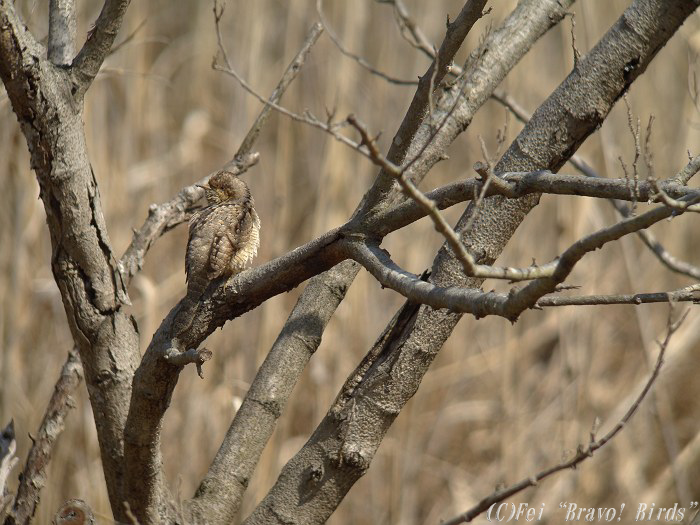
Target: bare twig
x: 33, y: 477
x: 635, y: 131
x: 648, y: 154
x: 689, y: 293
x: 582, y: 452
x: 689, y: 171
x: 577, y: 53
x: 87, y: 63
x: 357, y: 58
x: 288, y: 77
x: 329, y: 127
x: 666, y: 258
x: 406, y: 23
x: 683, y: 177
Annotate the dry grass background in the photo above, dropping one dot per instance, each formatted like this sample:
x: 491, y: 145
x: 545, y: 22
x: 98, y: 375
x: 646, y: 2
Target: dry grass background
x: 501, y: 401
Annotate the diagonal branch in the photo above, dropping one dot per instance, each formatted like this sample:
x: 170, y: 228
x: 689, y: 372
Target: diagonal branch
x: 344, y: 443
x: 154, y: 382
x: 100, y: 38
x: 287, y: 78
x: 162, y: 218
x: 682, y: 178
x: 219, y: 495
x: 33, y: 477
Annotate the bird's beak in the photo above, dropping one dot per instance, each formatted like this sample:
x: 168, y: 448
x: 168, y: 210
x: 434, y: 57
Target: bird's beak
x: 203, y: 186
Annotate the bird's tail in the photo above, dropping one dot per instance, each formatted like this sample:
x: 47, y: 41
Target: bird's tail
x: 188, y: 305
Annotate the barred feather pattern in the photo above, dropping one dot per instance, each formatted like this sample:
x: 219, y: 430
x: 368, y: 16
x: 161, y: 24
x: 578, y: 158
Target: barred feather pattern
x: 223, y: 239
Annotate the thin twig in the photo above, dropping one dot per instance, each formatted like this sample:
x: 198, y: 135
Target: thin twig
x: 166, y: 216
x: 689, y: 293
x: 406, y: 22
x: 635, y: 131
x: 472, y: 301
x: 33, y: 477
x: 689, y: 171
x: 582, y: 452
x: 683, y: 177
x: 357, y: 58
x: 288, y: 77
x: 577, y: 53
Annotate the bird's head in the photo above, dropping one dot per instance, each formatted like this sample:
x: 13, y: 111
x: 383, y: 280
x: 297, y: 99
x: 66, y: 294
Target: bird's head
x: 225, y: 187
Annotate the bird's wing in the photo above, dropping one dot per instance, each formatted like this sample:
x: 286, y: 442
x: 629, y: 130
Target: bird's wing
x: 228, y: 239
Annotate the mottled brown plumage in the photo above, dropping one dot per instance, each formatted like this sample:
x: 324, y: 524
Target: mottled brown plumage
x: 224, y: 238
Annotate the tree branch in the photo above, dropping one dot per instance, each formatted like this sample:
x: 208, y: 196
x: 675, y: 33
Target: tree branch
x: 161, y: 218
x: 218, y: 497
x: 62, y: 31
x: 342, y: 446
x: 82, y: 260
x: 683, y: 177
x: 689, y: 293
x: 33, y: 477
x: 96, y: 48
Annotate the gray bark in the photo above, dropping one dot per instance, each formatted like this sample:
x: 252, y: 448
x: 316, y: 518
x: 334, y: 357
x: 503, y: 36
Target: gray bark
x: 153, y: 384
x: 316, y: 479
x: 62, y: 30
x: 48, y: 103
x: 46, y: 88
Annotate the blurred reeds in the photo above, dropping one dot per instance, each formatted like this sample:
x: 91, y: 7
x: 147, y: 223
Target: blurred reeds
x: 502, y: 401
